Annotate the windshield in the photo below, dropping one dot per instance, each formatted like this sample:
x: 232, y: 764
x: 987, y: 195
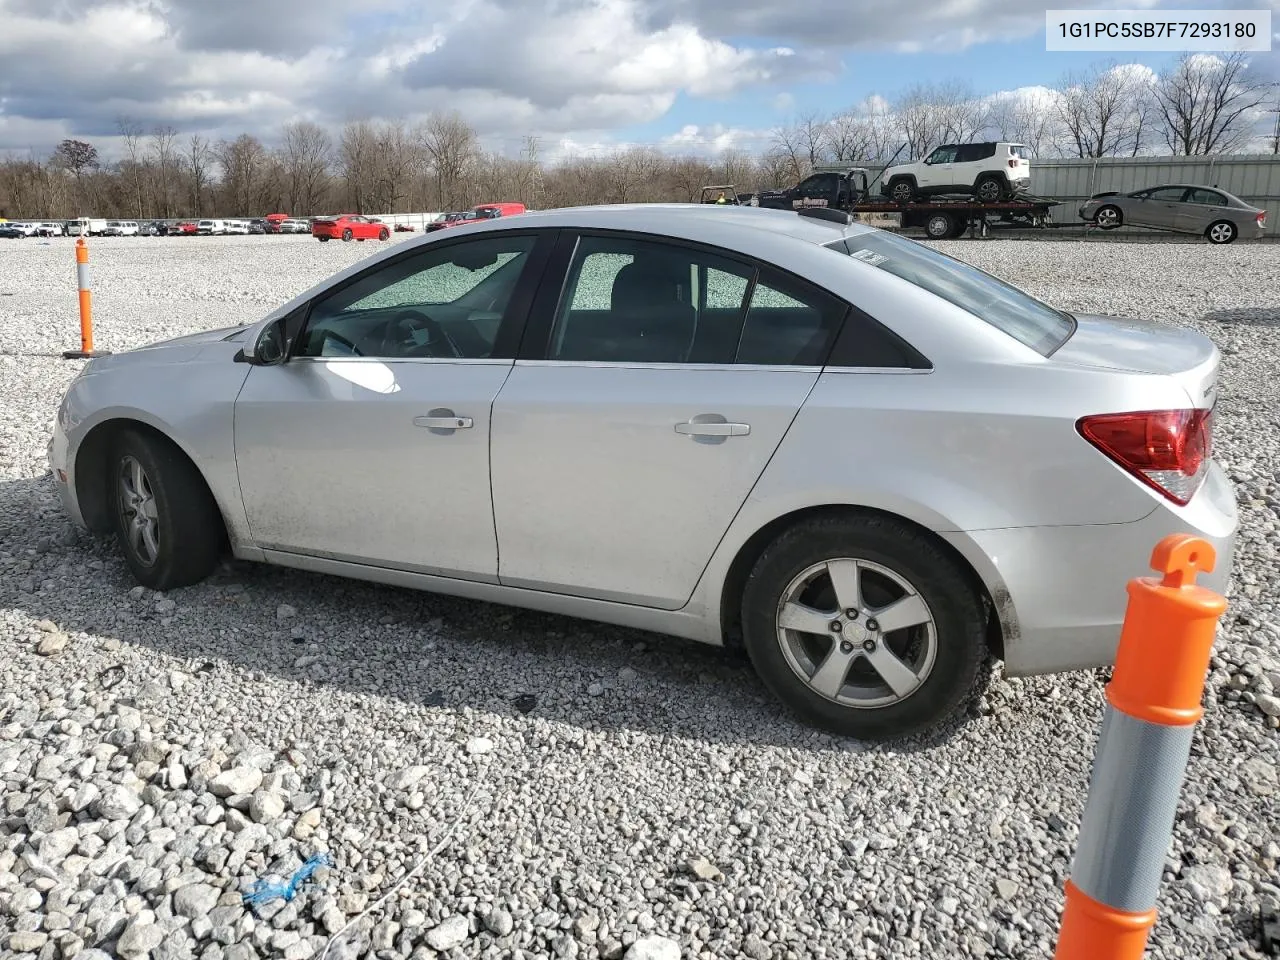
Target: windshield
x: 1020, y: 315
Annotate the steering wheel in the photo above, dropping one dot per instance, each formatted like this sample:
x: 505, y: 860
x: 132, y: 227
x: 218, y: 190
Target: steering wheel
x: 399, y: 337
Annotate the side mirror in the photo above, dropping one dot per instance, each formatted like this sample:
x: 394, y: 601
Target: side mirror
x: 266, y: 347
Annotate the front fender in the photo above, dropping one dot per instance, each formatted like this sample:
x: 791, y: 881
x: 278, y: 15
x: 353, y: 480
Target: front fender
x: 190, y: 403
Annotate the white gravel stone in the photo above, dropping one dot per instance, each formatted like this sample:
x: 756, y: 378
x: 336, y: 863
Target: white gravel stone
x: 448, y: 934
x: 653, y: 948
x: 608, y: 784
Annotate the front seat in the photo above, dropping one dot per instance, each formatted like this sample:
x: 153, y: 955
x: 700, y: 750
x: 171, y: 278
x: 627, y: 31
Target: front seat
x: 652, y: 316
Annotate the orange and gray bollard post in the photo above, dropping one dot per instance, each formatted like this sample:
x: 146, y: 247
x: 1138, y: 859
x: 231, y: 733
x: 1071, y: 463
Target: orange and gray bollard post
x: 86, y: 306
x: 1153, y: 705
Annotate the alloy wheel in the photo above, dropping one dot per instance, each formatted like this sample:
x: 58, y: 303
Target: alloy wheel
x: 856, y: 633
x: 138, y: 508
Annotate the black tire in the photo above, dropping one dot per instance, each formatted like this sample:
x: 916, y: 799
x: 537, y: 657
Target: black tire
x: 347, y: 234
x: 958, y: 230
x: 384, y: 234
x: 956, y: 609
x: 187, y: 526
x: 1108, y: 217
x: 902, y: 190
x: 990, y: 189
x: 939, y: 226
x: 322, y: 238
x: 1220, y: 232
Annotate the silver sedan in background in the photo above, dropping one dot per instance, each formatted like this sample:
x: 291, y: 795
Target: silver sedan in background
x: 1218, y: 216
x: 866, y: 463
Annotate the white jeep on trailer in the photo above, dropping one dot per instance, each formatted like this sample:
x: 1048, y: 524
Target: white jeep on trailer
x: 990, y: 171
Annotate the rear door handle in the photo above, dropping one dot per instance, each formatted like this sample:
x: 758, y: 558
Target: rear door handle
x: 443, y: 420
x: 713, y: 428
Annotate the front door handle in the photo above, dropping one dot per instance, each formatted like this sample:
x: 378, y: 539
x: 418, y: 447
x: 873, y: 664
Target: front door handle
x: 713, y: 429
x: 443, y: 420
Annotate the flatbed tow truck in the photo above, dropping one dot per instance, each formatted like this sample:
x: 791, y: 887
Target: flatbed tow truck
x: 845, y: 188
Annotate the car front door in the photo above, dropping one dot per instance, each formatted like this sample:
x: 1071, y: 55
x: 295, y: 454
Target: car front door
x: 818, y: 190
x: 370, y: 443
x: 1158, y: 208
x: 653, y: 386
x: 937, y: 170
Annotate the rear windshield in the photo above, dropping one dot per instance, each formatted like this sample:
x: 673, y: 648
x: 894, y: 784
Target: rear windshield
x: 1020, y: 315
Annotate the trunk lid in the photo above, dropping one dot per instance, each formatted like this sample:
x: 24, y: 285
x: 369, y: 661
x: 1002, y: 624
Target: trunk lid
x: 1145, y: 346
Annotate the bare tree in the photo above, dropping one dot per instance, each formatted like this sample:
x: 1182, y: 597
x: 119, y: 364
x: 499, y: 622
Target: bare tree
x: 1103, y: 112
x: 399, y: 157
x: 1206, y: 103
x: 450, y: 147
x: 1027, y: 117
x: 198, y: 159
x: 246, y: 170
x: 803, y: 143
x: 163, y: 153
x: 356, y: 153
x: 929, y: 115
x: 78, y: 157
x: 131, y: 132
x: 306, y: 154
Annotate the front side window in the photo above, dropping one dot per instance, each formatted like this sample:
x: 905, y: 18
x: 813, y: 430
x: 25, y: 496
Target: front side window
x: 1008, y: 309
x: 942, y: 155
x: 444, y: 301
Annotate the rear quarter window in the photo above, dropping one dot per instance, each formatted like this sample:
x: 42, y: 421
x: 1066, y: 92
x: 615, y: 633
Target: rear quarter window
x: 1013, y: 312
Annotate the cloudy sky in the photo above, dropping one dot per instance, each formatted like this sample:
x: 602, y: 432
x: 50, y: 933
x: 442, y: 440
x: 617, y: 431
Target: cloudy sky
x: 578, y: 74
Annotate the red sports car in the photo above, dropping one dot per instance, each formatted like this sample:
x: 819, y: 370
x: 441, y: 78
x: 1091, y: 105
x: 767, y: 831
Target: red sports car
x: 349, y: 226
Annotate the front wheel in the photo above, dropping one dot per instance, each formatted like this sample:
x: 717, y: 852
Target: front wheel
x: 167, y: 522
x: 1224, y: 231
x: 1109, y: 217
x: 902, y: 191
x: 863, y: 627
x: 383, y: 234
x: 347, y: 234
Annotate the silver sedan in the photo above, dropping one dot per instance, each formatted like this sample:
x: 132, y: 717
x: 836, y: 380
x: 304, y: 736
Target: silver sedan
x: 868, y: 464
x: 1218, y: 216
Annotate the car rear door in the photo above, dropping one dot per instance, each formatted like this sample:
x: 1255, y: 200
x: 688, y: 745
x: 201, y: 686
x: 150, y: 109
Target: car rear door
x: 371, y: 443
x: 1201, y: 208
x: 652, y: 389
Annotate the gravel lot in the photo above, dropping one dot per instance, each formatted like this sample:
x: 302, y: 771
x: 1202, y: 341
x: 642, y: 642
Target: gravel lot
x: 581, y: 789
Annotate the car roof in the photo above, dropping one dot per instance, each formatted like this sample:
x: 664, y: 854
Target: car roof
x: 675, y: 218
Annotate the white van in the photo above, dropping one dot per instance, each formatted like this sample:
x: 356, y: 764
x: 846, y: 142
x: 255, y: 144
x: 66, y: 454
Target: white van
x: 121, y: 228
x: 238, y: 227
x: 208, y: 228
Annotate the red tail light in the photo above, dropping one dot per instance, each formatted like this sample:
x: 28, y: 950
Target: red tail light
x: 1168, y: 450
x: 1261, y: 218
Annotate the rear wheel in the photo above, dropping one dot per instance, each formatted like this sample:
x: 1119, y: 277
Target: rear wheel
x: 863, y: 627
x: 322, y: 238
x: 990, y: 189
x: 1224, y: 231
x: 167, y: 522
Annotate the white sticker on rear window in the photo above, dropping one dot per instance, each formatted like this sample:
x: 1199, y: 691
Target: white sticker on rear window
x: 870, y: 256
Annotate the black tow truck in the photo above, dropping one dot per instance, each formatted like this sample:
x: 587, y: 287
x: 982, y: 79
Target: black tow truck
x: 846, y: 188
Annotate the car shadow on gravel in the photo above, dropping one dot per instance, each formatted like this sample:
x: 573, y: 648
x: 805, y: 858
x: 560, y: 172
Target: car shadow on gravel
x: 1248, y: 316
x: 319, y: 630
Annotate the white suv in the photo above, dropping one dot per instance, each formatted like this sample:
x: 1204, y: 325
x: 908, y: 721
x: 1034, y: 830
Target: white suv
x: 990, y: 171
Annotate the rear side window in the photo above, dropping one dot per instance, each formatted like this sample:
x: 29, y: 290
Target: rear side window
x: 972, y: 152
x: 1210, y: 197
x: 1029, y: 321
x: 788, y: 322
x: 1018, y: 150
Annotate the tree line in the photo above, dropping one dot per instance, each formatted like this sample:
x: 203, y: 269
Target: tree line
x: 1198, y: 106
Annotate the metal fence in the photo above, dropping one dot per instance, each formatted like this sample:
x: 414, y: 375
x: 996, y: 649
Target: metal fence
x: 1253, y: 178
